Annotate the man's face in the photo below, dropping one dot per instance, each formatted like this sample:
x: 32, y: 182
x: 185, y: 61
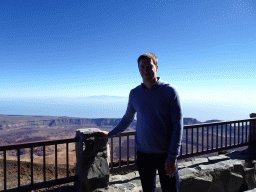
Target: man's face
x: 147, y: 69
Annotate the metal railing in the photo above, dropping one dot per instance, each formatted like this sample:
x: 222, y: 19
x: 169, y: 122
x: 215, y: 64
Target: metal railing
x: 121, y: 167
x: 197, y: 140
x: 45, y: 183
x: 207, y: 138
x: 200, y: 139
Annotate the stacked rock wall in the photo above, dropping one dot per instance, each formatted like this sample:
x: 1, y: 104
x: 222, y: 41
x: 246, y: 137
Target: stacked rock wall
x: 224, y: 176
x: 213, y: 174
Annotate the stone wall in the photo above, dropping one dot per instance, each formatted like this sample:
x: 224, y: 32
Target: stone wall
x: 219, y: 174
x: 232, y: 172
x: 92, y: 167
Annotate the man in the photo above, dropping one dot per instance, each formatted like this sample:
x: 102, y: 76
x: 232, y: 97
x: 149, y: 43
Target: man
x: 159, y: 127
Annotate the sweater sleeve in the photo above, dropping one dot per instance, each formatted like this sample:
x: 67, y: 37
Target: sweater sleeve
x: 177, y: 128
x: 126, y: 120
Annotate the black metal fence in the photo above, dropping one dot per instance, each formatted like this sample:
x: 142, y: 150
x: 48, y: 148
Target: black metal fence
x: 45, y: 183
x: 200, y: 139
x: 197, y: 140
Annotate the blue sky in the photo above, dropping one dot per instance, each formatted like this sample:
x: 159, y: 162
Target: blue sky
x: 70, y: 49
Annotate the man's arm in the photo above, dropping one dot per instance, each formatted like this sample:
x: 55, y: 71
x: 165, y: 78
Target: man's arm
x: 177, y: 126
x: 125, y: 121
x: 170, y: 165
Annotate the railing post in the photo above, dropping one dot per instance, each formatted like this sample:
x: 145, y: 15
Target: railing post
x: 92, y: 154
x: 252, y: 131
x: 252, y: 128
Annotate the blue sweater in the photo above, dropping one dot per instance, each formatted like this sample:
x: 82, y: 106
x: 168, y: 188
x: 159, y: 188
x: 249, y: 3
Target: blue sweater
x: 159, y: 119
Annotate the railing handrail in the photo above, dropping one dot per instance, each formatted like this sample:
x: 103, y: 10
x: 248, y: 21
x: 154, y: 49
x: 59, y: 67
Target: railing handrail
x: 123, y: 134
x: 37, y: 144
x: 217, y: 123
x: 194, y: 126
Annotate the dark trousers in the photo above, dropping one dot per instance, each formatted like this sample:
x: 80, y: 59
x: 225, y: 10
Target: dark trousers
x: 147, y: 165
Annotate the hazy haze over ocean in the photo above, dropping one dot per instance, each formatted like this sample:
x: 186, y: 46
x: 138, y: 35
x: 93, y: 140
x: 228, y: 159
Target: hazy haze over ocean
x: 108, y: 107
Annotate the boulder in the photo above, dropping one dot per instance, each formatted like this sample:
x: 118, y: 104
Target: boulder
x: 235, y: 181
x: 224, y: 176
x: 249, y: 177
x: 192, y: 183
x: 214, y: 159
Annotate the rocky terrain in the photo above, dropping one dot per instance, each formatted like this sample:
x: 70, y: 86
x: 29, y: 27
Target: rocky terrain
x: 16, y: 129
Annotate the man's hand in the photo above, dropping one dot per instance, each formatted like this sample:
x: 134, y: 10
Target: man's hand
x: 103, y: 133
x: 170, y: 168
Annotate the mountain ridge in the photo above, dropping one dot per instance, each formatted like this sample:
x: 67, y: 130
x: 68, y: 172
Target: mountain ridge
x: 20, y: 121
